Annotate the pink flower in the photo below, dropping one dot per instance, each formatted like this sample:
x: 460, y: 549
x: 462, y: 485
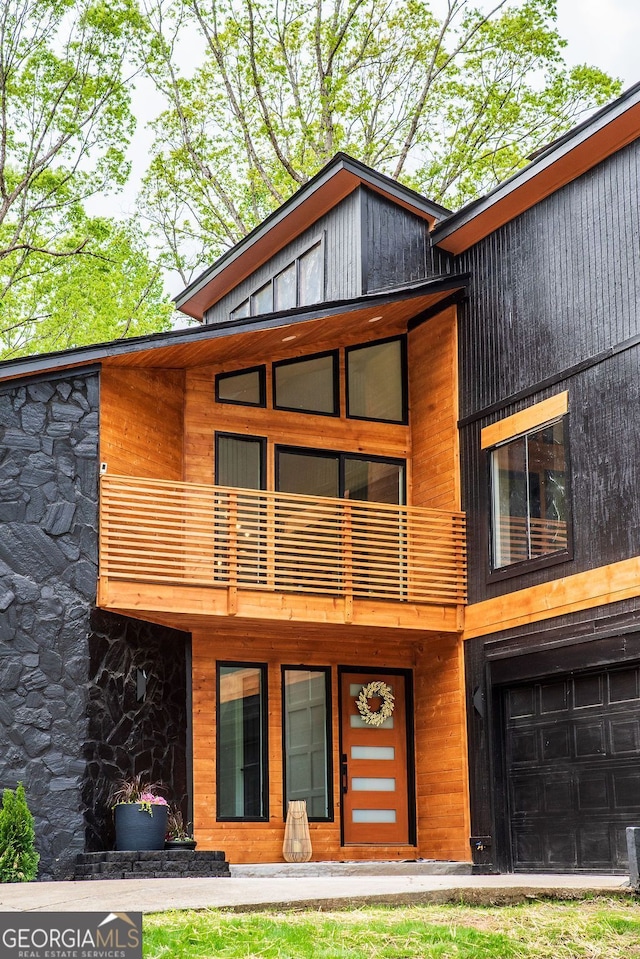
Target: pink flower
x: 152, y: 798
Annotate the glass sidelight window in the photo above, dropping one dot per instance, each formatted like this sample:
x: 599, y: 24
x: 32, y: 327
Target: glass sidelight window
x: 307, y: 739
x: 242, y: 741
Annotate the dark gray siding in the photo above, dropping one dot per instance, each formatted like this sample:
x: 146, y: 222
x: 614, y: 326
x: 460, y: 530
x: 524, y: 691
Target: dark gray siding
x: 556, y: 294
x: 556, y: 286
x: 604, y: 450
x: 396, y: 246
x: 343, y: 274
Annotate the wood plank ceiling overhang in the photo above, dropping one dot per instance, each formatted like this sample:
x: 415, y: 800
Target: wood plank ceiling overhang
x: 340, y: 177
x: 245, y: 342
x: 564, y: 160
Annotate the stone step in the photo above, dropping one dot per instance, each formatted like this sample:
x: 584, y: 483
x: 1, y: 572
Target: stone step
x: 151, y: 864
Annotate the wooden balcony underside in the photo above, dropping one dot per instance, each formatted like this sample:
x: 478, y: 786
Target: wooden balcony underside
x: 175, y: 552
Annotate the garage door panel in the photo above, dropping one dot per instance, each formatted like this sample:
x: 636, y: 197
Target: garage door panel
x: 624, y: 685
x: 556, y: 742
x: 572, y: 754
x: 624, y: 736
x: 529, y: 846
x: 558, y: 796
x: 594, y: 845
x: 626, y: 788
x: 589, y: 740
x: 521, y: 702
x: 587, y: 691
x: 593, y: 792
x: 561, y: 848
x: 524, y: 746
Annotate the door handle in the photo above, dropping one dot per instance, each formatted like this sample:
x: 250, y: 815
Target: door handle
x: 344, y: 774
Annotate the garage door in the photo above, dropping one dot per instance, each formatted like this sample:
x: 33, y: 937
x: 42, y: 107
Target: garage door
x: 573, y: 770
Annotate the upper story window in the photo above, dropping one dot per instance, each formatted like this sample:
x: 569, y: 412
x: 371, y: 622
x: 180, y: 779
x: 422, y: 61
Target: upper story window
x: 301, y: 283
x: 373, y: 382
x: 308, y: 384
x: 376, y: 381
x: 529, y: 475
x: 243, y: 387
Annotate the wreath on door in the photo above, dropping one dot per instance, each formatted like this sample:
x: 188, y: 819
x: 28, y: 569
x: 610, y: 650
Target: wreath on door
x: 377, y: 690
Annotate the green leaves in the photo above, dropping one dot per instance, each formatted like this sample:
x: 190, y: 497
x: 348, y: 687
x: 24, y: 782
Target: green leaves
x: 18, y: 856
x: 450, y: 105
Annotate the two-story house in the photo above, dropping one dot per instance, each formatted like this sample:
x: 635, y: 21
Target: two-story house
x: 217, y: 543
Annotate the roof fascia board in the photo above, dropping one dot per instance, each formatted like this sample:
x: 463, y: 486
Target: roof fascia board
x: 344, y: 174
x: 80, y: 357
x: 610, y: 116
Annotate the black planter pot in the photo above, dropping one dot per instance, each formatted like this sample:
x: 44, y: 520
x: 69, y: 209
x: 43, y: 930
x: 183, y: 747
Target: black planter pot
x: 136, y: 828
x: 180, y: 844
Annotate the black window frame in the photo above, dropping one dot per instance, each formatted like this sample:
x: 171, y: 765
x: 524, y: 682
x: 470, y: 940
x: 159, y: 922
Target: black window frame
x: 264, y: 716
x: 262, y: 440
x: 404, y: 375
x: 290, y: 361
x: 498, y: 573
x: 330, y: 817
x: 341, y: 456
x: 261, y: 370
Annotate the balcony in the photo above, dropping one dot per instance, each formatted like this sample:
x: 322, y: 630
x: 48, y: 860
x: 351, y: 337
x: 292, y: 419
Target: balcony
x: 171, y: 552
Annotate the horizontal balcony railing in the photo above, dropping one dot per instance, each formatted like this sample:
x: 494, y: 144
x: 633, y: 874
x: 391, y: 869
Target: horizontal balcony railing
x: 155, y: 531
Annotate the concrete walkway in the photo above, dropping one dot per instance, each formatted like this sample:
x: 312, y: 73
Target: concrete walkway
x: 318, y: 892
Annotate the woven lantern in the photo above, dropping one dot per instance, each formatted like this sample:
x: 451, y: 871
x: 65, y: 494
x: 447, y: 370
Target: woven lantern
x: 297, y: 841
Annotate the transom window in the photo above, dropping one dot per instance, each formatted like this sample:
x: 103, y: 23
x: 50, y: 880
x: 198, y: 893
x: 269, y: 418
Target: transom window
x: 374, y: 383
x: 301, y: 283
x: 242, y: 387
x: 308, y: 384
x: 530, y: 496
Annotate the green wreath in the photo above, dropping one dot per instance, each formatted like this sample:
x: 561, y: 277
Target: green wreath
x: 379, y: 690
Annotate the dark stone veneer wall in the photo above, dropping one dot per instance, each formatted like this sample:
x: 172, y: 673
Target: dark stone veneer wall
x: 69, y: 720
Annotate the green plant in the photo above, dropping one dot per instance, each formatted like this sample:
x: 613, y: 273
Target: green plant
x: 18, y: 856
x: 136, y: 790
x: 176, y: 829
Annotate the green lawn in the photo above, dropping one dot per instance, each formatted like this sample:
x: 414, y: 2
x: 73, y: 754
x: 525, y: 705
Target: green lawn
x: 591, y: 929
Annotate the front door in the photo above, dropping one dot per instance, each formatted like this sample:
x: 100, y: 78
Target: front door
x: 374, y: 772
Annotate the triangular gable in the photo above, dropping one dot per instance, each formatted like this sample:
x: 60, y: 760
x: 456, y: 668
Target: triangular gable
x: 340, y: 177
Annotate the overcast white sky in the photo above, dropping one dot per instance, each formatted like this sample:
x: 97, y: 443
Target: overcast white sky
x: 604, y: 33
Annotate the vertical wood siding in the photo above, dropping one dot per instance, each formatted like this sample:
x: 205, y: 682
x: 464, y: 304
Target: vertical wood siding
x: 396, y: 246
x: 343, y: 280
x: 141, y: 416
x: 433, y: 406
x: 442, y: 794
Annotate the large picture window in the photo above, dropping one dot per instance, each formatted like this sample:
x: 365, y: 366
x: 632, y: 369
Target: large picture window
x: 530, y: 496
x: 376, y: 381
x: 242, y: 741
x: 307, y: 744
x: 325, y: 473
